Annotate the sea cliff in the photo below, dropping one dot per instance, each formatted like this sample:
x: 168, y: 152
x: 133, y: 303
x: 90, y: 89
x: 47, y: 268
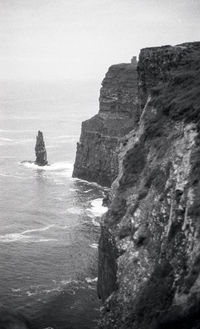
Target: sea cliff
x: 97, y: 150
x: 149, y: 249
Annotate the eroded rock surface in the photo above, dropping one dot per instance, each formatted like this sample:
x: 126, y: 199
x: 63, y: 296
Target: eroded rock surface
x: 40, y: 150
x: 149, y: 251
x: 97, y: 150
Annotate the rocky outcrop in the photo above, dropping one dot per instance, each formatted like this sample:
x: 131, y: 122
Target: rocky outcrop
x: 149, y: 251
x: 40, y: 150
x: 97, y: 150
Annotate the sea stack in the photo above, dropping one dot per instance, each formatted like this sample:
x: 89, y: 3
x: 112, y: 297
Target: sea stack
x: 40, y: 150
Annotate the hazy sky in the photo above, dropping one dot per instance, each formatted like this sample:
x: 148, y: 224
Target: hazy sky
x: 80, y: 39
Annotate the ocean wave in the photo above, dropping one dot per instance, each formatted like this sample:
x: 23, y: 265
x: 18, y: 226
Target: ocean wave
x: 75, y: 211
x: 103, y: 188
x: 23, y: 237
x: 29, y: 293
x: 67, y: 282
x: 64, y: 168
x: 16, y: 130
x: 65, y: 137
x: 57, y: 286
x: 15, y: 290
x: 89, y: 280
x: 48, y: 291
x: 12, y: 176
x: 38, y: 229
x: 95, y: 223
x: 45, y: 240
x: 87, y: 191
x: 13, y: 237
x: 94, y: 245
x: 67, y: 227
x: 73, y: 189
x: 6, y: 141
x: 96, y: 209
x: 24, y: 141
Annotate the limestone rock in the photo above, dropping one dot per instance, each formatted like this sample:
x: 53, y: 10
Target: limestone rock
x: 97, y: 150
x: 40, y: 150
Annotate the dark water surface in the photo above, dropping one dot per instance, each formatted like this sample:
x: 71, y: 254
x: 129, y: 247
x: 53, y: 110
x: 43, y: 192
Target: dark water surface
x: 49, y: 222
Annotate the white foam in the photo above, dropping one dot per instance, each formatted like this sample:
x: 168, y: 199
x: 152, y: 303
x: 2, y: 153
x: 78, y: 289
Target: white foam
x: 6, y: 139
x: 95, y: 223
x: 63, y: 168
x: 45, y: 240
x: 89, y: 280
x: 29, y: 294
x: 97, y: 209
x: 23, y: 237
x: 12, y: 237
x: 68, y: 227
x: 15, y: 289
x: 38, y: 229
x: 71, y: 137
x: 94, y: 245
x: 73, y: 189
x: 65, y: 282
x: 48, y: 291
x: 90, y: 183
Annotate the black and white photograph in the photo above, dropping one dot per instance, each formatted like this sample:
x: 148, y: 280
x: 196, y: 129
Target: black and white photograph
x: 99, y: 164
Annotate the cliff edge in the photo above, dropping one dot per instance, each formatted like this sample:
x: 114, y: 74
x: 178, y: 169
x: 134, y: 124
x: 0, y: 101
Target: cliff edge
x: 149, y: 249
x: 97, y: 150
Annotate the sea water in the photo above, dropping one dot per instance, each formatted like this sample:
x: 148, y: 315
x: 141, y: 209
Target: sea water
x: 49, y: 222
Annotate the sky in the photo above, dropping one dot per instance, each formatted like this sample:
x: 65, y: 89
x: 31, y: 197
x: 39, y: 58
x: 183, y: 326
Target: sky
x: 80, y: 39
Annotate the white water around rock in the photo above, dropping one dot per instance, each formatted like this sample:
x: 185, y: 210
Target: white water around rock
x: 49, y: 225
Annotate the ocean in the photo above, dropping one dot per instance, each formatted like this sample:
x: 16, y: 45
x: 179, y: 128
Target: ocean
x: 49, y: 222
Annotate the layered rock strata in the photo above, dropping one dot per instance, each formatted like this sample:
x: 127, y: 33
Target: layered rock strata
x: 40, y: 150
x: 149, y: 250
x: 97, y: 150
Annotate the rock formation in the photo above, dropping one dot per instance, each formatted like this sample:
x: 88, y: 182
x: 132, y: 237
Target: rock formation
x: 40, y: 150
x: 149, y: 249
x: 97, y: 150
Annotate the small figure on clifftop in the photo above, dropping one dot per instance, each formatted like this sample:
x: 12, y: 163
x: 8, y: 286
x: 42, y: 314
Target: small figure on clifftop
x: 40, y: 150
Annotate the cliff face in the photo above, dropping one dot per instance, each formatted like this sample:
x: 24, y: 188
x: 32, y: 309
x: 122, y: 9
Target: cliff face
x: 97, y: 150
x: 149, y: 251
